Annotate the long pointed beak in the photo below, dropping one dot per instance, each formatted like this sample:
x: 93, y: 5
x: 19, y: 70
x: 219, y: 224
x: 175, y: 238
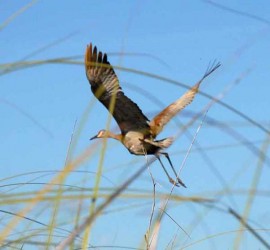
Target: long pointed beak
x: 94, y: 137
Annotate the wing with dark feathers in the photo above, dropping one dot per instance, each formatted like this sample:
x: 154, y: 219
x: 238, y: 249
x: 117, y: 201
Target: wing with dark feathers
x: 105, y: 86
x: 168, y: 113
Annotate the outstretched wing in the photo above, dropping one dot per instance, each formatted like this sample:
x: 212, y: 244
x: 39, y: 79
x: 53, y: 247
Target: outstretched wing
x: 105, y: 86
x: 168, y: 113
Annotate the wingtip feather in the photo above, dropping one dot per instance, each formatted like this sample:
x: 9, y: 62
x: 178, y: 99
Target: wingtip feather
x: 88, y: 54
x: 105, y: 59
x: 99, y: 57
x: 94, y: 55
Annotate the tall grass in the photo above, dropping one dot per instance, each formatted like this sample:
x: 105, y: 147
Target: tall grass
x: 44, y: 209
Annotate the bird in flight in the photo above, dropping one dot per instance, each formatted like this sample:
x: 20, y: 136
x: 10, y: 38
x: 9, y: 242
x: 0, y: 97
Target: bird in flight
x: 137, y: 132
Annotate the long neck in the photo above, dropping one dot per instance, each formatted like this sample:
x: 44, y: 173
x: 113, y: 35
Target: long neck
x: 117, y: 137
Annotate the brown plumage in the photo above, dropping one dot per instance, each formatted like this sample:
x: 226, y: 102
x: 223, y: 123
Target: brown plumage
x: 137, y: 132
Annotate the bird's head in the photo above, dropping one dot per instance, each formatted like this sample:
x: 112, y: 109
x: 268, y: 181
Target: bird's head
x: 101, y: 134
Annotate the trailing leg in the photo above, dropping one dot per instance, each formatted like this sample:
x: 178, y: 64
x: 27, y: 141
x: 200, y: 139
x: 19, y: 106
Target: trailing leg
x: 173, y: 169
x: 169, y: 177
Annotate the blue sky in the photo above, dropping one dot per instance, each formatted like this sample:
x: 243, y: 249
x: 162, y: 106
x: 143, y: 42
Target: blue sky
x: 175, y: 39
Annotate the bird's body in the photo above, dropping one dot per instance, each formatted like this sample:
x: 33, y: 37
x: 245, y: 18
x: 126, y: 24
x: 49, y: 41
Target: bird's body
x: 137, y: 142
x: 138, y: 134
x: 133, y: 141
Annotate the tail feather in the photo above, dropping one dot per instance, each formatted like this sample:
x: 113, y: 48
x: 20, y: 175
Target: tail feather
x: 165, y: 143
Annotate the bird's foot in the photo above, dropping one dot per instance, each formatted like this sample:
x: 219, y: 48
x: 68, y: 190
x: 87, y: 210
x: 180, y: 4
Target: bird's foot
x: 175, y: 183
x: 181, y: 183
